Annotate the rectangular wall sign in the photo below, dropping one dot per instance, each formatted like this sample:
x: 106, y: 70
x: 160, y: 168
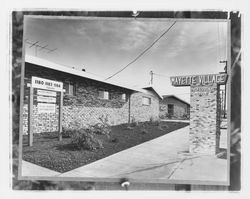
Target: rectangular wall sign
x: 46, y: 99
x: 37, y: 82
x: 46, y: 108
x: 46, y: 93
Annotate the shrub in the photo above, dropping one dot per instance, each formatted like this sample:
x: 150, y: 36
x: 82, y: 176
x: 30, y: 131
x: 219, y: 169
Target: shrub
x: 102, y: 128
x: 153, y: 121
x: 186, y: 116
x: 115, y: 140
x: 129, y: 127
x: 133, y: 123
x: 144, y: 131
x: 162, y: 116
x: 168, y: 116
x: 67, y: 133
x: 85, y: 139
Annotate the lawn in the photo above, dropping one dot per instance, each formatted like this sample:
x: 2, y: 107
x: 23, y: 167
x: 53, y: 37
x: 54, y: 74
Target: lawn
x: 48, y: 152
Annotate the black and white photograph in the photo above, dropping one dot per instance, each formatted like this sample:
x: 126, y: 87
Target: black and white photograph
x: 136, y: 99
x: 126, y: 100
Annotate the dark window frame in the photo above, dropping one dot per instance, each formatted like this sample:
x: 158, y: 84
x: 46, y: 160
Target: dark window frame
x: 67, y: 88
x: 150, y: 101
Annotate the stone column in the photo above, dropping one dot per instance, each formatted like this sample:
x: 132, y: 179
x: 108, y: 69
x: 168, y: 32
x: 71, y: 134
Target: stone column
x: 204, y: 119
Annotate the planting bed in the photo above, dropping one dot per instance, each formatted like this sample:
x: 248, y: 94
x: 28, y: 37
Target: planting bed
x: 48, y: 152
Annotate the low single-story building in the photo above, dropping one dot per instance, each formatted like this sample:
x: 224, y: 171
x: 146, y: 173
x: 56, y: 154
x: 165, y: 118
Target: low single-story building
x: 172, y: 107
x: 86, y: 99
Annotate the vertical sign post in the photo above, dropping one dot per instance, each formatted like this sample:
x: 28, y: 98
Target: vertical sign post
x: 60, y: 117
x: 30, y: 117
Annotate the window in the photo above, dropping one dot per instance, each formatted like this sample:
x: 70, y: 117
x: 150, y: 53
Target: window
x: 170, y: 109
x: 123, y: 97
x: 146, y: 101
x: 69, y: 88
x: 104, y: 94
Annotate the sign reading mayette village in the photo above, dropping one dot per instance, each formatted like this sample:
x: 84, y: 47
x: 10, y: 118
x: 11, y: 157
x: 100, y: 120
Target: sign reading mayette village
x: 198, y: 80
x: 46, y: 84
x: 205, y: 106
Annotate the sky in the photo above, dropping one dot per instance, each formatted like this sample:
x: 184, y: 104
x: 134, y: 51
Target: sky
x: 104, y: 46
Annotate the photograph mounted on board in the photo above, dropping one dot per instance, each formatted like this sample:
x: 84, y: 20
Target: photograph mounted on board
x: 143, y: 99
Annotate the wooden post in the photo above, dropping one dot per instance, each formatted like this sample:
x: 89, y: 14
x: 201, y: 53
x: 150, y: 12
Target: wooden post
x: 129, y: 107
x: 30, y: 118
x: 60, y: 117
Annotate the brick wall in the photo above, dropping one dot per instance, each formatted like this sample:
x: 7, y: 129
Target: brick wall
x: 85, y: 108
x: 204, y: 119
x: 180, y: 108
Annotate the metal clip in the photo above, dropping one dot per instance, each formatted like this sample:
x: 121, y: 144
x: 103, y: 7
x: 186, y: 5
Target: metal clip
x: 125, y: 183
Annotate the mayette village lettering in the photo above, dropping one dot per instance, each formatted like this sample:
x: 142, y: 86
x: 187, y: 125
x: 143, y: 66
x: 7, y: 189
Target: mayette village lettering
x: 204, y: 110
x: 198, y: 80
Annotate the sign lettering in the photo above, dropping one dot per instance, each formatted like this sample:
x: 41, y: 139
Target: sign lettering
x: 46, y: 93
x: 46, y: 108
x: 198, y: 80
x: 46, y: 99
x: 37, y: 82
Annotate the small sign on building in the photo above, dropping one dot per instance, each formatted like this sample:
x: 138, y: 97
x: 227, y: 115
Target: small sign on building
x: 46, y: 93
x: 46, y: 108
x: 46, y: 99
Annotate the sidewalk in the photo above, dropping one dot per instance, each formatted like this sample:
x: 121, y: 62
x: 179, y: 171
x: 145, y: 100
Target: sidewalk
x: 29, y: 169
x: 154, y: 153
x: 165, y: 157
x: 170, y: 120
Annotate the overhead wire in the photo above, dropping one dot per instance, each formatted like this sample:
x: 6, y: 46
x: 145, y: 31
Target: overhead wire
x: 143, y: 52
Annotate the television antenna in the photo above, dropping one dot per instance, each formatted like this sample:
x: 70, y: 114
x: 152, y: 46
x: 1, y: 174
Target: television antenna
x: 39, y: 47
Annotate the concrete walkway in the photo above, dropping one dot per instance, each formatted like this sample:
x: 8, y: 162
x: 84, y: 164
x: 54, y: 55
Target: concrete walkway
x: 165, y: 157
x: 154, y: 153
x: 169, y: 120
x: 29, y: 169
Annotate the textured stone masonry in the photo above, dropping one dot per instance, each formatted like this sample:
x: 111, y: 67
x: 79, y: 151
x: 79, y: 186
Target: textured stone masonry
x: 204, y: 119
x: 85, y: 108
x: 180, y: 108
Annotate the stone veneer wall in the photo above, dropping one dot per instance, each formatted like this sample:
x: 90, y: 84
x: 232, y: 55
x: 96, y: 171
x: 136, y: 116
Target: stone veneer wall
x: 180, y: 108
x: 140, y: 112
x: 204, y: 119
x: 42, y: 122
x: 85, y: 108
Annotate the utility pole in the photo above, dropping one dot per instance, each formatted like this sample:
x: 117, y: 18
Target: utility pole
x: 225, y: 93
x: 151, y: 77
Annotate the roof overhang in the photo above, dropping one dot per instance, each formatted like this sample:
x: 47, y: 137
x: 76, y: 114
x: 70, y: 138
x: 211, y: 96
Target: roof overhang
x: 151, y: 88
x: 66, y: 69
x: 174, y: 96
